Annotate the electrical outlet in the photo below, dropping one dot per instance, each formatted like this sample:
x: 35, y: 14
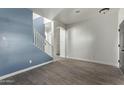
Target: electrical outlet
x: 30, y: 61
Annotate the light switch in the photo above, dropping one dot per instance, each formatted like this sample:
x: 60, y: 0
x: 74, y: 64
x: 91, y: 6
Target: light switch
x: 30, y: 61
x: 3, y: 38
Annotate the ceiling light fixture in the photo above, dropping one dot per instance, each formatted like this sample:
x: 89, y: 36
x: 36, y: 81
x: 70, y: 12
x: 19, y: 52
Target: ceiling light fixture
x: 77, y: 11
x: 104, y: 10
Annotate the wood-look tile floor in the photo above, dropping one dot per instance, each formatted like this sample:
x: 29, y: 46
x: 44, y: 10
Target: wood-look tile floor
x: 69, y: 72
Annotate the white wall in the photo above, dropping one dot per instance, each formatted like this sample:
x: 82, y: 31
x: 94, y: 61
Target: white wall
x: 62, y: 42
x: 95, y: 39
x: 121, y: 15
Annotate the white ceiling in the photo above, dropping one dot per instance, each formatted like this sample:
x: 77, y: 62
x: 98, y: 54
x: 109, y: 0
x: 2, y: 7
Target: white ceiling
x: 68, y: 15
x: 47, y: 12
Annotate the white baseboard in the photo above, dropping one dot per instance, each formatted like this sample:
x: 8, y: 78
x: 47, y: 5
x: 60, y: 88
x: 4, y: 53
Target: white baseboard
x: 24, y: 70
x: 94, y: 61
x: 58, y: 58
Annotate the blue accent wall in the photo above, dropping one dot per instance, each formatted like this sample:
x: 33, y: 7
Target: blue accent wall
x: 16, y: 41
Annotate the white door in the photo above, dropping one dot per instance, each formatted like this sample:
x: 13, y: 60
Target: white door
x: 121, y: 49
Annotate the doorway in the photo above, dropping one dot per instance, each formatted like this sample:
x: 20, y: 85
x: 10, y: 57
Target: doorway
x: 62, y: 43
